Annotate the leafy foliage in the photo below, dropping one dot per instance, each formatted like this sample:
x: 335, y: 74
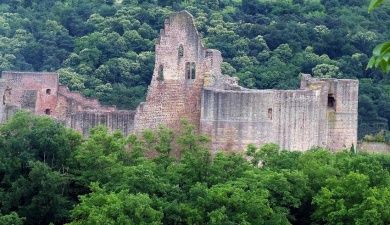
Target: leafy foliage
x: 34, y: 169
x: 381, y: 57
x: 381, y: 53
x: 11, y: 219
x: 166, y: 177
x: 374, y: 4
x: 102, y: 208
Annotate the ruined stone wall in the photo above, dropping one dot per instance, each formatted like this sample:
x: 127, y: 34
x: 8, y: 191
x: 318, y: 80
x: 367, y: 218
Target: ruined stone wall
x: 339, y: 101
x: 234, y: 119
x: 83, y: 121
x: 321, y: 88
x: 187, y: 83
x: 322, y: 113
x: 41, y: 94
x: 234, y: 116
x: 342, y: 117
x: 298, y: 118
x: 374, y: 147
x: 32, y: 91
x: 70, y: 102
x: 82, y: 114
x: 172, y: 95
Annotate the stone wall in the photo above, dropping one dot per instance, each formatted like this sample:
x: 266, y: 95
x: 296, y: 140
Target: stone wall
x: 36, y: 92
x: 173, y: 93
x: 83, y: 121
x: 294, y: 119
x: 339, y: 97
x: 235, y: 119
x: 82, y: 114
x: 70, y: 102
x: 41, y: 94
x: 374, y: 147
x: 4, y: 115
x: 342, y: 120
x: 297, y: 123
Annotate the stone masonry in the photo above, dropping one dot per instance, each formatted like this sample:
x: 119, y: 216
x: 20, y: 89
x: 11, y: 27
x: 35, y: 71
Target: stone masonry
x: 187, y: 83
x: 41, y: 94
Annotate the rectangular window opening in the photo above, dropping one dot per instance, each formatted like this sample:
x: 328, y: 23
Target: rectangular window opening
x: 331, y: 101
x: 270, y: 113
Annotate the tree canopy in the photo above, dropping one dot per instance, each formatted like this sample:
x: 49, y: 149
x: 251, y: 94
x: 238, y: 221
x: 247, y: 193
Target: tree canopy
x: 166, y: 177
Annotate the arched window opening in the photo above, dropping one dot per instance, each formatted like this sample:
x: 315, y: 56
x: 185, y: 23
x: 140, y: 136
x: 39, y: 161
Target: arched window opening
x: 270, y: 113
x: 48, y: 91
x: 47, y: 111
x: 180, y: 51
x: 160, y: 76
x: 331, y: 101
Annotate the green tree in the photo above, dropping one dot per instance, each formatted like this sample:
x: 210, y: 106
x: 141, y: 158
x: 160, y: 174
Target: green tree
x: 102, y: 207
x: 35, y: 161
x: 101, y: 158
x: 11, y: 219
x: 326, y: 71
x: 350, y: 200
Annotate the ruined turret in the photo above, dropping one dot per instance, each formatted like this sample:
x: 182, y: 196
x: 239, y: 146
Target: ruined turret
x: 181, y: 65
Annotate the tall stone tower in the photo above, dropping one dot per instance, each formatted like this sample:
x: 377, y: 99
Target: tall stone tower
x: 181, y: 65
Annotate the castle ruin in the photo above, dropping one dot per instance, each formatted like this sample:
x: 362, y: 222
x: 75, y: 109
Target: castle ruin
x: 187, y: 83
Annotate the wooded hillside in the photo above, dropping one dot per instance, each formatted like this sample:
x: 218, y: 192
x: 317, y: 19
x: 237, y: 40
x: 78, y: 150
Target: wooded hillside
x: 104, y: 48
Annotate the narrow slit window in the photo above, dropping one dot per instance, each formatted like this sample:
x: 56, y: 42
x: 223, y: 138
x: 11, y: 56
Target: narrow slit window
x: 160, y: 76
x: 270, y: 113
x: 188, y: 72
x: 48, y: 91
x: 181, y: 51
x: 193, y: 70
x: 7, y: 95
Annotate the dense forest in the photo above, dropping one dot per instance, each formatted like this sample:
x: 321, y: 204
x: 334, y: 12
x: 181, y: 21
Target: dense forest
x: 105, y: 48
x: 51, y: 175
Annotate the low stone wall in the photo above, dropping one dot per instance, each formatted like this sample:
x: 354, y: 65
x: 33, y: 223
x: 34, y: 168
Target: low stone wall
x: 374, y: 147
x: 83, y: 121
